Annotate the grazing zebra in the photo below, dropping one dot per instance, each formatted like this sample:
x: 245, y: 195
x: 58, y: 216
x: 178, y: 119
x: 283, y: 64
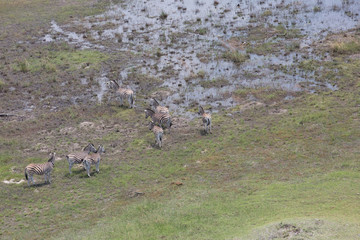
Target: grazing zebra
x: 94, y: 158
x: 158, y: 108
x: 124, y: 93
x: 40, y: 169
x: 158, y: 132
x: 78, y: 157
x: 162, y: 119
x: 206, y: 119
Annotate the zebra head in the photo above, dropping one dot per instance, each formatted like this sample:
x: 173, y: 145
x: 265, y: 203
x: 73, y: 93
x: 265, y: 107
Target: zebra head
x: 112, y: 84
x: 201, y: 110
x: 155, y: 103
x: 90, y: 148
x: 52, y: 158
x: 151, y: 125
x: 148, y: 113
x: 100, y: 149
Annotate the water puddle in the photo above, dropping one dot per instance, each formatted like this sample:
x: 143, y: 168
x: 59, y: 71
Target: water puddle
x: 182, y: 43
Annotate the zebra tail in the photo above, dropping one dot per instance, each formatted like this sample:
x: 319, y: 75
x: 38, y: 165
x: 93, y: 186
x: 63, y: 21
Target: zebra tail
x: 26, y: 176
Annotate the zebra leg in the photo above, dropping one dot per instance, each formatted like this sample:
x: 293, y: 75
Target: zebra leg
x: 49, y: 179
x: 129, y: 100
x: 97, y: 166
x: 121, y: 101
x: 87, y: 168
x: 71, y: 163
x: 32, y: 179
x: 45, y: 176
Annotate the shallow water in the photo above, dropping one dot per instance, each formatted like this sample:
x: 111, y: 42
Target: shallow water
x: 188, y: 36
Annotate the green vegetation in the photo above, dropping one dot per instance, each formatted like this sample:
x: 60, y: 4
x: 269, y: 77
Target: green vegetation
x: 263, y: 49
x: 51, y: 61
x: 217, y: 82
x: 235, y: 56
x: 351, y: 47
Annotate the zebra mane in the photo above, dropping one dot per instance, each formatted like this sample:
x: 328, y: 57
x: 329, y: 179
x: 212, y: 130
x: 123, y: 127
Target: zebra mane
x: 156, y: 103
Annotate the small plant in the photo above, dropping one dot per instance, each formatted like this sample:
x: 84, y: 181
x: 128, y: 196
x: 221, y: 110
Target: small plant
x: 267, y: 13
x: 163, y: 15
x: 201, y: 31
x: 201, y: 74
x: 235, y: 56
x: 2, y: 84
x: 346, y: 47
x: 23, y: 65
x: 317, y: 9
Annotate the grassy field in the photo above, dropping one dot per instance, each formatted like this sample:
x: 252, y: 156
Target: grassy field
x: 283, y: 169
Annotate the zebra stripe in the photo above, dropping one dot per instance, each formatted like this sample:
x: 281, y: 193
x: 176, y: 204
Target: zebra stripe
x: 162, y: 119
x: 123, y: 93
x: 94, y: 159
x: 206, y: 119
x: 158, y: 132
x: 158, y: 108
x: 40, y: 169
x: 78, y: 157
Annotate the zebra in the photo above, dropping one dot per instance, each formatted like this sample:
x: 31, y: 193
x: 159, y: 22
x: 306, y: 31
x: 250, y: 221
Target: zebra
x: 93, y: 159
x: 162, y: 119
x: 158, y: 108
x: 78, y: 157
x: 40, y: 169
x: 158, y: 132
x: 123, y: 93
x: 206, y: 119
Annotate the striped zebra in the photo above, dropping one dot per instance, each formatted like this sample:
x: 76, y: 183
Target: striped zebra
x: 40, y: 169
x: 94, y: 158
x: 123, y: 93
x: 161, y: 119
x: 158, y: 108
x: 206, y: 119
x: 158, y: 132
x: 78, y: 157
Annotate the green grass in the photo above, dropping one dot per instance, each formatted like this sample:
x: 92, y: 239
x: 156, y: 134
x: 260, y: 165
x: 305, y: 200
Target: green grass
x: 229, y: 213
x: 235, y: 56
x: 52, y: 61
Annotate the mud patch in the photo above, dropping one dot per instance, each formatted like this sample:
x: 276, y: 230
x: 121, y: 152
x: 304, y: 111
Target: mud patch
x: 200, y: 51
x: 306, y: 229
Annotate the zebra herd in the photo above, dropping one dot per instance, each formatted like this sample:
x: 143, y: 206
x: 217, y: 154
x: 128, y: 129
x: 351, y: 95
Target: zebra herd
x: 160, y: 120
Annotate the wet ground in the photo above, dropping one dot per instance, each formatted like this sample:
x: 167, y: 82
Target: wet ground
x: 193, y: 47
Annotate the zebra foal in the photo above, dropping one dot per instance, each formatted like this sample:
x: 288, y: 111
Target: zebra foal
x: 206, y: 119
x: 93, y: 158
x: 158, y: 132
x: 78, y: 157
x: 40, y: 169
x: 123, y: 93
x: 162, y: 119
